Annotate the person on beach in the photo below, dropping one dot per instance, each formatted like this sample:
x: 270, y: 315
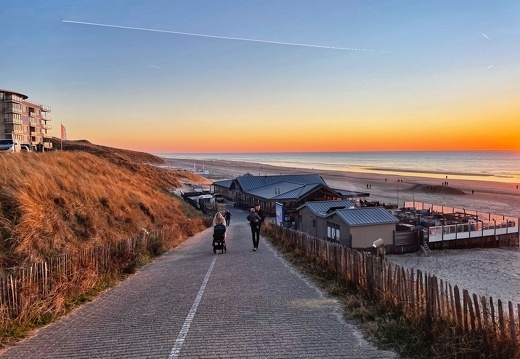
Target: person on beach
x: 219, y: 219
x: 227, y: 216
x: 254, y: 220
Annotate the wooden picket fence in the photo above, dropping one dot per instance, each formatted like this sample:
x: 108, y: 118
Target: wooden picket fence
x: 29, y: 292
x: 419, y: 296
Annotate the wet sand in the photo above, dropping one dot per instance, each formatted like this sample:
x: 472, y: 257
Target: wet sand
x: 491, y: 272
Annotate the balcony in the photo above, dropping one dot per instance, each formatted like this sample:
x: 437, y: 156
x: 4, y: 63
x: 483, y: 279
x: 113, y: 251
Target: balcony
x: 46, y: 135
x: 13, y: 109
x: 13, y: 98
x: 9, y: 120
x: 45, y: 108
x: 47, y: 127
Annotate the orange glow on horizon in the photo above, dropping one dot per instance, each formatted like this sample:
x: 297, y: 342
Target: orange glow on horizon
x: 339, y: 142
x: 489, y: 130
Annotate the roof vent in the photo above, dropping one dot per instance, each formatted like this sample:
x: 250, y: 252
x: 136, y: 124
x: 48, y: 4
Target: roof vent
x: 332, y: 209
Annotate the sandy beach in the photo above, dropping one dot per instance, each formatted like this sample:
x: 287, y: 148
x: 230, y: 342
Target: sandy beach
x: 490, y: 272
x: 491, y: 197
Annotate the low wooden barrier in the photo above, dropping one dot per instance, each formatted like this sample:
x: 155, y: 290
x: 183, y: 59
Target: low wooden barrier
x: 418, y: 295
x: 28, y: 292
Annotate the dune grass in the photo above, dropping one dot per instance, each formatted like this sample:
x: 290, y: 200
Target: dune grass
x: 58, y: 202
x: 63, y: 202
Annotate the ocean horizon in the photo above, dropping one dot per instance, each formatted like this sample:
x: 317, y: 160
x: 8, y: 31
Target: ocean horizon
x: 497, y: 166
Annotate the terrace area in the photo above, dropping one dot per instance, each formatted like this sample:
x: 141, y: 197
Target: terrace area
x: 442, y: 224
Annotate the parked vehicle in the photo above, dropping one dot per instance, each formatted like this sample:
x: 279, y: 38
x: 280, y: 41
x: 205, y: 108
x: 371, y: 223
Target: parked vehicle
x: 9, y: 145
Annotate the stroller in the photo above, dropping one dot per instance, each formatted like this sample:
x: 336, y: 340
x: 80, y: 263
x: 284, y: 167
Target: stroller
x: 219, y: 238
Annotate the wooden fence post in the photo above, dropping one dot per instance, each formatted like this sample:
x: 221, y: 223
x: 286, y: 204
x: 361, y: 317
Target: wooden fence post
x: 512, y: 321
x: 458, y: 309
x: 501, y: 319
x: 485, y: 315
x: 493, y: 319
x: 477, y: 312
x: 470, y: 308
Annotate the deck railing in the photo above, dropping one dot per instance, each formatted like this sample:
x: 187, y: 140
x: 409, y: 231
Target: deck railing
x: 483, y: 224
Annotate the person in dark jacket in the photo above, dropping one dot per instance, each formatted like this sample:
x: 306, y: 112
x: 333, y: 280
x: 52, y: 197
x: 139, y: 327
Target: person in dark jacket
x: 261, y: 214
x: 227, y: 216
x: 254, y: 220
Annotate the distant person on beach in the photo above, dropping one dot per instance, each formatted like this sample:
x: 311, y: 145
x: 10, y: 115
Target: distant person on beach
x: 219, y: 219
x: 254, y: 220
x: 227, y: 216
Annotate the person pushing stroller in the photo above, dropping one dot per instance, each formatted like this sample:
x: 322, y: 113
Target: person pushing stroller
x: 219, y: 233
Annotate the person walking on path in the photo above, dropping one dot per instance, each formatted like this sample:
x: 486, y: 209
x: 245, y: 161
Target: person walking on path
x: 218, y: 219
x: 254, y: 220
x: 261, y: 214
x: 227, y: 216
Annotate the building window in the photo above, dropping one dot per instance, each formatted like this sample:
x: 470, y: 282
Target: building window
x: 314, y: 223
x: 333, y: 233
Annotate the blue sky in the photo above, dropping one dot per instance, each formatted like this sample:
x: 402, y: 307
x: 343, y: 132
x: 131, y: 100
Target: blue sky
x: 439, y: 74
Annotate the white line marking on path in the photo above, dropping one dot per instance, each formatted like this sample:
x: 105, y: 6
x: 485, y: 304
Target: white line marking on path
x: 187, y: 322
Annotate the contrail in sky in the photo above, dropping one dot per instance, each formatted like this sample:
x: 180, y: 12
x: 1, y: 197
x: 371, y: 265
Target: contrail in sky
x: 485, y: 36
x: 214, y: 37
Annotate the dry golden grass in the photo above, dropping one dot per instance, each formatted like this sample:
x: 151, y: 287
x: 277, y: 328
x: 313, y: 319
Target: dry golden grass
x: 115, y: 155
x: 85, y: 196
x: 62, y: 201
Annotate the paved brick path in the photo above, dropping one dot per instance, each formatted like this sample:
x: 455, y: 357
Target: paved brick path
x: 191, y: 303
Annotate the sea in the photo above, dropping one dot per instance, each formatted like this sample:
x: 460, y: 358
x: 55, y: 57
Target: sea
x: 498, y: 166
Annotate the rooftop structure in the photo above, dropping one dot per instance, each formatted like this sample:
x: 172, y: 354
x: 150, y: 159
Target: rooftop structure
x: 324, y: 207
x: 342, y: 222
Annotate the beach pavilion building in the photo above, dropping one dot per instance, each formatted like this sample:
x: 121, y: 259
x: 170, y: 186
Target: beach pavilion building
x: 342, y: 222
x: 290, y: 190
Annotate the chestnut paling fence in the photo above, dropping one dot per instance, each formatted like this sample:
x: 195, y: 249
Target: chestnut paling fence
x: 27, y: 293
x: 420, y: 296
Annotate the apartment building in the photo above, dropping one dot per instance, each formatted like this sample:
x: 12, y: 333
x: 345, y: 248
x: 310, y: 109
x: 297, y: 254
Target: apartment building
x: 24, y: 121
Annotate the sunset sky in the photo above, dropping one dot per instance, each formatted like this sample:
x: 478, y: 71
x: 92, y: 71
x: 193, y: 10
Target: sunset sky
x: 380, y: 75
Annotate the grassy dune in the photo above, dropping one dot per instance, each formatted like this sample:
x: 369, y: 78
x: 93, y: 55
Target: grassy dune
x: 85, y: 195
